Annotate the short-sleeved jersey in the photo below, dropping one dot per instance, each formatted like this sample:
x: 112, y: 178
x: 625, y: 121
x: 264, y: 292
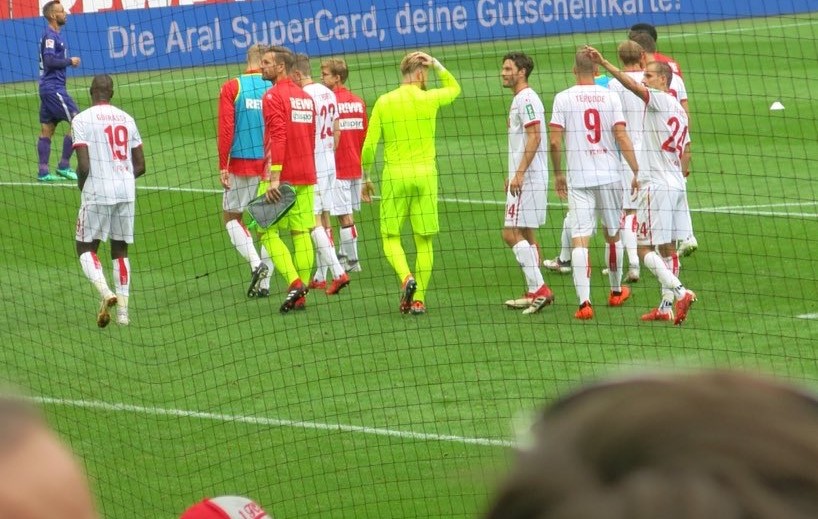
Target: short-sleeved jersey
x: 407, y: 119
x: 53, y: 61
x: 588, y: 114
x: 110, y: 135
x: 526, y: 110
x: 633, y: 107
x: 326, y: 113
x: 353, y: 123
x: 241, y: 125
x: 289, y: 131
x: 677, y: 88
x: 665, y: 137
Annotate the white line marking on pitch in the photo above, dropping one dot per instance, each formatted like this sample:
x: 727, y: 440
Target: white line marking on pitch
x: 746, y: 210
x: 807, y: 316
x: 272, y: 422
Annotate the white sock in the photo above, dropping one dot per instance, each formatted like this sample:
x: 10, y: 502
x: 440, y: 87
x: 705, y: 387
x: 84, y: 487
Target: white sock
x: 628, y: 234
x: 122, y: 276
x: 614, y: 255
x: 267, y: 260
x: 581, y: 269
x: 325, y: 253
x: 243, y: 242
x: 657, y: 266
x: 92, y: 269
x: 527, y: 258
x: 565, y: 241
x: 674, y: 265
x: 349, y: 243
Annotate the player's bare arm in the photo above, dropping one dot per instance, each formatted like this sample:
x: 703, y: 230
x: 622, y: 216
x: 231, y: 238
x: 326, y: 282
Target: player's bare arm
x: 555, y: 151
x: 627, y: 81
x: 138, y: 161
x: 532, y: 144
x: 367, y: 190
x: 83, y: 165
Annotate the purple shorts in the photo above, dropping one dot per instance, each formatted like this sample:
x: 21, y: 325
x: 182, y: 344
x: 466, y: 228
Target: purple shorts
x: 56, y: 107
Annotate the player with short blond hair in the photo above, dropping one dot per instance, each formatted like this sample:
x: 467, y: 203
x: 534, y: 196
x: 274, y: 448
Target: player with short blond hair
x: 589, y: 119
x: 350, y: 188
x: 240, y: 142
x: 664, y: 158
x: 406, y: 118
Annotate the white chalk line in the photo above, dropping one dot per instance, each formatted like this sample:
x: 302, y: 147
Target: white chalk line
x: 266, y: 421
x: 745, y: 210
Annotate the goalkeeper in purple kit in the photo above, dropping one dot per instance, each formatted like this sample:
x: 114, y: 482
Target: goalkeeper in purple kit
x: 55, y: 103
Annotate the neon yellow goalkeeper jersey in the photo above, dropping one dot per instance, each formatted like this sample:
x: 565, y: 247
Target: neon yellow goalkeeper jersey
x: 406, y: 118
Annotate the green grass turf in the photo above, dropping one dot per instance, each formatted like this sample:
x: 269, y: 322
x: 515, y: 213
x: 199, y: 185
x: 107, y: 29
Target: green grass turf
x: 466, y: 367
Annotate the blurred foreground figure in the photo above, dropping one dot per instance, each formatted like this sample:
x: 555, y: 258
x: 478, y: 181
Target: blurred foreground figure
x: 710, y: 445
x: 40, y: 477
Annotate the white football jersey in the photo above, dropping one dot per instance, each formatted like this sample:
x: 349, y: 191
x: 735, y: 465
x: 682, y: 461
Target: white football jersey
x: 665, y: 137
x: 588, y: 114
x: 677, y: 88
x: 527, y: 109
x: 326, y: 111
x: 110, y: 135
x: 633, y: 107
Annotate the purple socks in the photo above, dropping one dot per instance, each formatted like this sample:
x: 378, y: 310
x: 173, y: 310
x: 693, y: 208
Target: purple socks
x: 43, y: 153
x: 67, y: 150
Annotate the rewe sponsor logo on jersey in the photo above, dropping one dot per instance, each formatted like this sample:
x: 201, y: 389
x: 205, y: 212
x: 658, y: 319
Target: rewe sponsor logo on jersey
x: 252, y: 104
x: 302, y: 116
x: 350, y: 108
x: 299, y: 103
x: 351, y: 124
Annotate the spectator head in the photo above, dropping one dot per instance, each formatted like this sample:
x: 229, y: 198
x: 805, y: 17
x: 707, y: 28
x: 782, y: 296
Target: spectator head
x: 41, y: 478
x: 694, y: 446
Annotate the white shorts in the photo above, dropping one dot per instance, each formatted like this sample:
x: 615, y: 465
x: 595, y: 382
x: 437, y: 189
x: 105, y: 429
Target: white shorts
x: 587, y: 203
x: 324, y: 194
x: 662, y: 215
x: 242, y: 190
x: 101, y: 222
x: 347, y: 196
x: 527, y: 211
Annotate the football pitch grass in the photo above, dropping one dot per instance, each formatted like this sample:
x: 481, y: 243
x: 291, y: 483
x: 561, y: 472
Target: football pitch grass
x: 350, y: 409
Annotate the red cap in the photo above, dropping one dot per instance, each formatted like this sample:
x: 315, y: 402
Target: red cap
x: 225, y: 507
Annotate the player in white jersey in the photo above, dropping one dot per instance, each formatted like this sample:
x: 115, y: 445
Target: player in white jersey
x: 589, y: 119
x: 527, y: 182
x: 633, y: 62
x: 109, y: 159
x: 327, y: 134
x: 687, y: 245
x: 664, y: 158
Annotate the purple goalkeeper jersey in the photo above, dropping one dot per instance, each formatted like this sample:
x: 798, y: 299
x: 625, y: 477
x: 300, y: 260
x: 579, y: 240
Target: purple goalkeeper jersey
x: 53, y: 62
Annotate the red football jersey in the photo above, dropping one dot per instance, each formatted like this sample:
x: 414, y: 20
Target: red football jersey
x: 289, y: 132
x: 658, y: 56
x: 353, y: 122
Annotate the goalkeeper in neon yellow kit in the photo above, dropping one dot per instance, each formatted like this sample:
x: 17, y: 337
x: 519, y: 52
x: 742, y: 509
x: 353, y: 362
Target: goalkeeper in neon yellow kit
x: 406, y: 119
